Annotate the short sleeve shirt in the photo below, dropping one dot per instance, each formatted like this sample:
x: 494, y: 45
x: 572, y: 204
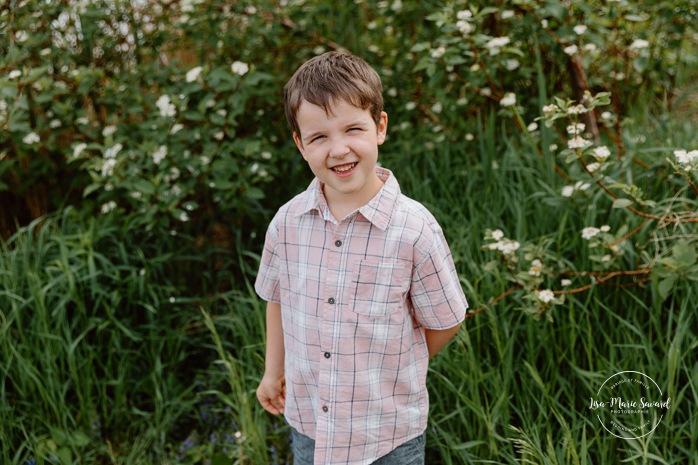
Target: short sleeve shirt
x: 356, y: 296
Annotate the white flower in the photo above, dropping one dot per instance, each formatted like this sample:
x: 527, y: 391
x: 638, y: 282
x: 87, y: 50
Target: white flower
x: 508, y: 100
x: 83, y: 120
x: 639, y: 44
x: 576, y: 128
x: 464, y: 14
x: 582, y: 186
x: 193, y: 74
x: 438, y: 52
x: 159, y: 154
x: 31, y: 138
x: 176, y: 128
x: 465, y: 27
x: 512, y: 64
x: 266, y: 155
x: 240, y: 68
x: 409, y: 106
x: 532, y: 127
x: 506, y: 14
x: 544, y: 23
x: 606, y: 115
x: 77, y: 151
x: 108, y: 167
x: 576, y: 110
x: 183, y: 216
x: 497, y: 234
x: 567, y: 191
x: 545, y: 296
x: 107, y: 207
x: 14, y: 74
x: 506, y: 246
x: 56, y: 123
x: 590, y: 47
x: 205, y: 160
x: 606, y: 258
x: 549, y: 110
x: 497, y: 42
x: 578, y: 143
x: 21, y: 36
x: 166, y: 107
x: 536, y: 268
x: 219, y: 135
x: 112, y: 151
x: 605, y: 228
x: 437, y: 107
x: 601, y: 153
x: 552, y: 147
x: 580, y: 29
x: 263, y: 173
x: 591, y: 167
x: 108, y: 131
x: 571, y: 49
x: 565, y: 282
x: 589, y: 232
x: 254, y: 168
x: 469, y: 137
x: 684, y: 157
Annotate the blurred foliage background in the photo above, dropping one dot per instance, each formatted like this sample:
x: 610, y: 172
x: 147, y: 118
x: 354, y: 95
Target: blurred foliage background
x: 143, y: 150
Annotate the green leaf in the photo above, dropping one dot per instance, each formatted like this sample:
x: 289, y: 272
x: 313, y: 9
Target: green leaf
x: 685, y: 254
x: 255, y: 193
x: 65, y: 456
x: 144, y: 186
x: 666, y: 285
x: 622, y: 203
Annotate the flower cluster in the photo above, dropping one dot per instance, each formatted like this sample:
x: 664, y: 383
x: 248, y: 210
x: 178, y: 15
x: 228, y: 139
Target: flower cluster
x: 506, y: 247
x: 610, y: 244
x: 687, y: 160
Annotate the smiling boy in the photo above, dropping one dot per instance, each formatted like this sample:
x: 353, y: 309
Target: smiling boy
x: 360, y: 285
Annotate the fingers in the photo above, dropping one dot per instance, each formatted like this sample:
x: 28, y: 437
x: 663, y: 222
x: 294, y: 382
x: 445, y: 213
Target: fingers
x: 272, y: 397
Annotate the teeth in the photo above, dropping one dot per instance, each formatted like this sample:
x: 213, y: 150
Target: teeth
x: 344, y: 168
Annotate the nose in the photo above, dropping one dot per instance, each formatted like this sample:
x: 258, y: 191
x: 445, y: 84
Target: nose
x: 339, y: 149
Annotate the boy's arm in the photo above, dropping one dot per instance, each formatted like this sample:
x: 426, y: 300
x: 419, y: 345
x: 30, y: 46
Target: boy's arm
x: 438, y: 338
x: 271, y: 392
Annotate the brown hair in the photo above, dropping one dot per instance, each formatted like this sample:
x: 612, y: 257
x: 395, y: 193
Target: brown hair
x: 330, y: 77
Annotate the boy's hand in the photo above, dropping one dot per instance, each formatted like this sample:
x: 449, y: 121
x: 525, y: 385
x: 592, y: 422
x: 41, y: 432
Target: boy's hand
x: 271, y: 393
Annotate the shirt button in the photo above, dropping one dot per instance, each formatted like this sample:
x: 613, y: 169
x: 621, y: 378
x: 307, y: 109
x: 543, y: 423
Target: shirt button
x: 338, y: 243
x: 324, y: 408
x: 330, y: 300
x: 327, y: 355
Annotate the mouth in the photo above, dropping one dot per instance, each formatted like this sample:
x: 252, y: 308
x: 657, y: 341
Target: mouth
x: 344, y: 169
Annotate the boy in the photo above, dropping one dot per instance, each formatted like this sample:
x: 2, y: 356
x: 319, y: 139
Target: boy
x: 360, y: 285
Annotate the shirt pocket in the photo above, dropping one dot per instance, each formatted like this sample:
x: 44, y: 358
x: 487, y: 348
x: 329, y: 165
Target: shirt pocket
x: 377, y: 288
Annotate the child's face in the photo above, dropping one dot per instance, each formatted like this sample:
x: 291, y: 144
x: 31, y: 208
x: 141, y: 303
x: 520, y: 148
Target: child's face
x: 342, y: 149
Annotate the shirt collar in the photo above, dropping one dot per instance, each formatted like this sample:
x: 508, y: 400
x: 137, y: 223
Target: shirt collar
x: 378, y: 210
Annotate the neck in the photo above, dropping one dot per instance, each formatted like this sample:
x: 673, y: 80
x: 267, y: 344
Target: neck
x: 341, y: 205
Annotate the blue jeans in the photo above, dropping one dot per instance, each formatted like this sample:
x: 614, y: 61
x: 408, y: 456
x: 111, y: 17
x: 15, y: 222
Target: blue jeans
x: 409, y: 453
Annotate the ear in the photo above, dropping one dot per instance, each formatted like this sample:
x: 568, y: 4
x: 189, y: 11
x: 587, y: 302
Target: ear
x: 382, y: 127
x: 299, y: 144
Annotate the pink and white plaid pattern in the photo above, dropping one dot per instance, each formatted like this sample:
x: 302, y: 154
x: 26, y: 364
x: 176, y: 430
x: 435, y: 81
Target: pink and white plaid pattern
x: 356, y: 296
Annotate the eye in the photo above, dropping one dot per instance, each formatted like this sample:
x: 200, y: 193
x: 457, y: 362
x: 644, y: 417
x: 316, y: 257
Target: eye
x: 354, y: 129
x: 316, y: 138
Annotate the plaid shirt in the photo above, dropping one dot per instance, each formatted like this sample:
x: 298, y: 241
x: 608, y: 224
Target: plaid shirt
x: 356, y: 296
